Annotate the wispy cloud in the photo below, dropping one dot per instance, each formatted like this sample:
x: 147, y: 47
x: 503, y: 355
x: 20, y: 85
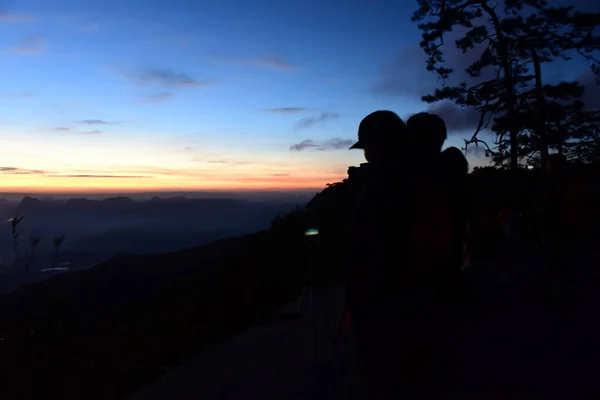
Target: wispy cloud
x: 20, y: 171
x: 272, y: 61
x: 320, y: 119
x: 91, y: 132
x: 286, y: 110
x: 62, y: 129
x: 156, y: 98
x: 230, y: 162
x: 93, y: 122
x: 18, y: 95
x: 167, y: 77
x: 327, y: 145
x: 30, y: 45
x: 100, y: 176
x: 304, y: 145
x: 9, y: 16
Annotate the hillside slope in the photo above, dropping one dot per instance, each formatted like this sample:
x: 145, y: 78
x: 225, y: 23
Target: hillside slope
x: 101, y: 333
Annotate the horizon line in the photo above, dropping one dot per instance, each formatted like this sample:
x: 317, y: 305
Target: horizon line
x: 143, y: 191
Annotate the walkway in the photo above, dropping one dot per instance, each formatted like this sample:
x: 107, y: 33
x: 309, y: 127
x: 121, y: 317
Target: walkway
x: 521, y: 338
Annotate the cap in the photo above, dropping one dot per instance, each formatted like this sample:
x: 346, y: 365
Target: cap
x: 378, y: 127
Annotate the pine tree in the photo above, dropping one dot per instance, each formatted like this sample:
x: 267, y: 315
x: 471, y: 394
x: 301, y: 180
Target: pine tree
x: 513, y: 103
x: 546, y: 34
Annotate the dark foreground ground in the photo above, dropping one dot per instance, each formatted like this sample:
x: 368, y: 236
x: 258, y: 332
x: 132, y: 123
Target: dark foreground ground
x: 530, y: 335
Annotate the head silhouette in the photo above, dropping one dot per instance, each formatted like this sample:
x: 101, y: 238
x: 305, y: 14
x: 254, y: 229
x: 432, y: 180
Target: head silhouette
x: 454, y: 159
x: 428, y: 132
x: 381, y: 135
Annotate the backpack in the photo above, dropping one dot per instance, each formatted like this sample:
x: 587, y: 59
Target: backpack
x: 430, y: 237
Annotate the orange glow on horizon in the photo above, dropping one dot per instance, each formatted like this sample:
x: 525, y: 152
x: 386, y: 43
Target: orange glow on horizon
x: 68, y: 166
x: 46, y: 184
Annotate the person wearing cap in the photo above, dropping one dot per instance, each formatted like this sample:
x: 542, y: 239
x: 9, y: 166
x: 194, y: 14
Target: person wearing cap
x: 401, y: 248
x: 379, y: 135
x: 376, y: 245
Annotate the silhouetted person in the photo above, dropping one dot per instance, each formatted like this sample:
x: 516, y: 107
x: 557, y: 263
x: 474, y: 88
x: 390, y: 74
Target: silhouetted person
x: 402, y: 265
x: 429, y: 134
x: 374, y: 275
x: 438, y: 242
x: 455, y: 167
x: 450, y: 166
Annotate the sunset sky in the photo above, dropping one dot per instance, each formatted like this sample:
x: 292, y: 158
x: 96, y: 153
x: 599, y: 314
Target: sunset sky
x: 185, y: 95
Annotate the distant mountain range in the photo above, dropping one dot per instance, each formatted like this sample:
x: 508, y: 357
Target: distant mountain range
x: 97, y: 229
x: 301, y: 195
x: 80, y: 214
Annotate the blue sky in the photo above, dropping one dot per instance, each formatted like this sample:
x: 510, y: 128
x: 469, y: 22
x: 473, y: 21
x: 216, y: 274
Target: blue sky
x: 192, y: 94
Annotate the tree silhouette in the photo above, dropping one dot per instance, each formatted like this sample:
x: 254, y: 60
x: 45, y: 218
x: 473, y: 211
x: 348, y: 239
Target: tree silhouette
x: 57, y: 241
x: 578, y: 135
x: 542, y: 37
x: 544, y: 124
x: 528, y: 33
x: 14, y: 223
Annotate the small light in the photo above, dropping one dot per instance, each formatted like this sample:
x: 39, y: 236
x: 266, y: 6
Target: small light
x: 311, y: 232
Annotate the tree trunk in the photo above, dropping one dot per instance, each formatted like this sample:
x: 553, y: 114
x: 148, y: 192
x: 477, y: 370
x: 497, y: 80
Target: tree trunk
x: 508, y: 86
x: 541, y: 111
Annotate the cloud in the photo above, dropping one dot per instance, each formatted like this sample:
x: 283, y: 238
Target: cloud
x: 99, y: 176
x: 230, y: 162
x: 286, y: 110
x: 280, y: 175
x: 407, y: 74
x: 91, y: 132
x: 62, y: 129
x: 273, y: 61
x: 20, y: 171
x: 328, y: 145
x: 167, y: 77
x: 476, y: 151
x: 457, y: 119
x: 9, y: 16
x: 303, y: 145
x: 30, y: 45
x: 156, y: 98
x: 18, y: 95
x: 321, y: 119
x: 93, y: 122
x: 188, y: 148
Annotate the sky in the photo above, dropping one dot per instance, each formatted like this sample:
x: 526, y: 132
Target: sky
x: 193, y: 95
